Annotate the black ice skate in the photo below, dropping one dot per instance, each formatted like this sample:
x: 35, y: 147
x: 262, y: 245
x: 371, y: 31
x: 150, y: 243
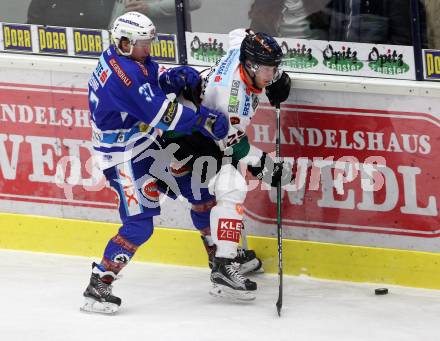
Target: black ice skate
x: 248, y: 260
x: 228, y: 282
x: 98, y: 294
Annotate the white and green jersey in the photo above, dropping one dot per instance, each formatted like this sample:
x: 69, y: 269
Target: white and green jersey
x: 224, y: 90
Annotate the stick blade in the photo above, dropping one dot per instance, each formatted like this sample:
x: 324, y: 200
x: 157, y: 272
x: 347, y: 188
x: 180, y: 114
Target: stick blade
x: 279, y: 306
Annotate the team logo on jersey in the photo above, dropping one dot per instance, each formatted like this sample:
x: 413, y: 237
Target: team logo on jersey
x: 239, y: 209
x: 247, y: 105
x: 120, y: 73
x: 170, y: 113
x: 121, y: 258
x: 102, y: 72
x: 223, y: 72
x: 225, y: 65
x: 229, y: 229
x: 94, y: 83
x: 143, y: 127
x: 143, y: 69
x: 233, y: 97
x: 234, y: 120
x: 255, y: 101
x: 149, y: 190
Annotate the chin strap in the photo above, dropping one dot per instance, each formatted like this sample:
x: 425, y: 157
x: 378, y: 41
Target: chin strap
x: 126, y: 54
x: 252, y: 87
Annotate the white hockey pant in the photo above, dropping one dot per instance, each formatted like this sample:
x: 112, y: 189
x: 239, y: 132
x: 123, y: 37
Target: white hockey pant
x: 226, y: 220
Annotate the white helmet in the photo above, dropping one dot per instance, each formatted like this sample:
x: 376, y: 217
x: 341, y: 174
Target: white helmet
x: 133, y: 26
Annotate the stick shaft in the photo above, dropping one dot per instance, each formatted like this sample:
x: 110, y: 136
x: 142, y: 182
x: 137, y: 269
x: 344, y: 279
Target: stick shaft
x: 279, y: 303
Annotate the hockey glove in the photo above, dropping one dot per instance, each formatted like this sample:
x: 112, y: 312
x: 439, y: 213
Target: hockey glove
x: 279, y: 90
x: 212, y: 123
x: 179, y: 78
x: 271, y: 172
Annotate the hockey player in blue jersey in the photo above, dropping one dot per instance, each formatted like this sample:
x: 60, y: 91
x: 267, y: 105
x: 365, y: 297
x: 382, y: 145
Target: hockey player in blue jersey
x: 128, y: 108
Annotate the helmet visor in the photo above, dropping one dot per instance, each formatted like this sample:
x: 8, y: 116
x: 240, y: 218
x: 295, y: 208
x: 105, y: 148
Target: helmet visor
x: 144, y: 42
x: 265, y: 71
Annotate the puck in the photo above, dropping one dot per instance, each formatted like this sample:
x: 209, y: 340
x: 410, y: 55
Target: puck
x: 381, y: 291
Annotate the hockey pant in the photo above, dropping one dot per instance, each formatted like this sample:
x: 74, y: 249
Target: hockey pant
x: 138, y: 200
x: 193, y: 177
x: 197, y: 194
x: 226, y: 220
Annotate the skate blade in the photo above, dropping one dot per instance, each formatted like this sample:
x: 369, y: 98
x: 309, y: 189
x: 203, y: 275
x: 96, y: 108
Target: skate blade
x: 254, y: 266
x: 235, y: 295
x: 93, y: 306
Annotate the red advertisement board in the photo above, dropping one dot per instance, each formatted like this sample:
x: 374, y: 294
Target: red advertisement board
x: 356, y: 170
x: 45, y: 150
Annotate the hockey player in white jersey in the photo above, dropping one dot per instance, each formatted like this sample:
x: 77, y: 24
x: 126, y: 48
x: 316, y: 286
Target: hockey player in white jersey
x: 233, y: 86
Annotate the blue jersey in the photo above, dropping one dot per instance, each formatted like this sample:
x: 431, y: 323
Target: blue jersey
x: 126, y: 105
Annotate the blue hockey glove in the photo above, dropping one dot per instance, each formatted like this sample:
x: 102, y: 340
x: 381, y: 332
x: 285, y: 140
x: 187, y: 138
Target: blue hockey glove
x: 179, y: 78
x: 212, y: 123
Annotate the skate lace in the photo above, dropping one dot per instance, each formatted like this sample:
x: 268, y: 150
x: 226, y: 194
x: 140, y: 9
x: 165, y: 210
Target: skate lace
x: 241, y: 253
x: 232, y: 270
x: 104, y: 289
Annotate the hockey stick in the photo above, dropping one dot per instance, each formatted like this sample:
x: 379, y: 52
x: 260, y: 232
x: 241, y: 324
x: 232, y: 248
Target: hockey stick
x: 244, y: 243
x: 279, y: 303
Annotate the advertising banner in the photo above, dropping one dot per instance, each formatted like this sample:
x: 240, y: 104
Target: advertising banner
x: 343, y: 58
x: 316, y: 56
x: 205, y: 48
x: 45, y: 148
x: 357, y: 170
x: 431, y: 65
x: 53, y: 40
x: 87, y: 43
x: 17, y: 38
x: 366, y: 164
x: 165, y: 49
x: 73, y: 42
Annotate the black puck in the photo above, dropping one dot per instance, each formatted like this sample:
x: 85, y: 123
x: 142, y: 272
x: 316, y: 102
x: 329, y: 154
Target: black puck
x: 381, y: 291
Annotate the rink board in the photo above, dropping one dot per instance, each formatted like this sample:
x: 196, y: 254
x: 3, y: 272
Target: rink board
x: 174, y: 246
x: 365, y: 207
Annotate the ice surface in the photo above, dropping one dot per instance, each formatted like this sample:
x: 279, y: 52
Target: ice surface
x: 41, y: 295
